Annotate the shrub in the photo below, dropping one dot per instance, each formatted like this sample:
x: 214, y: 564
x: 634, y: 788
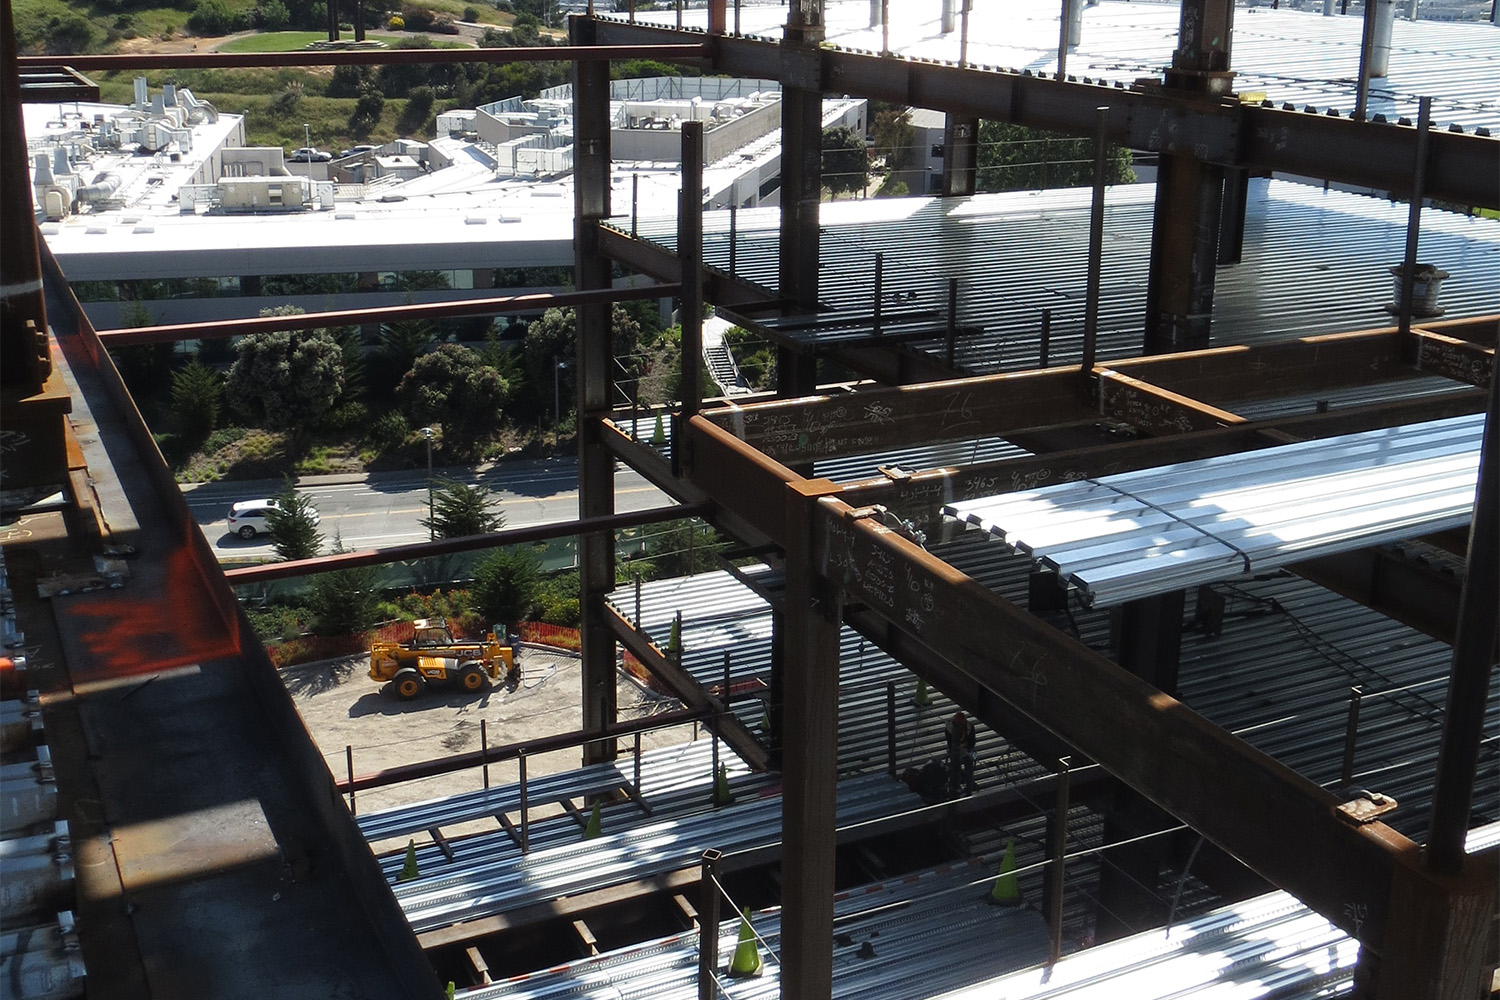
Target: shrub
x: 396, y: 23
x: 507, y: 585
x: 389, y: 431
x: 214, y: 17
x: 471, y: 14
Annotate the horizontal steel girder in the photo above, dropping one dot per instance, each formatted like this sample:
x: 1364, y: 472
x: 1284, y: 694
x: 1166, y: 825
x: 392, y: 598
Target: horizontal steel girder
x: 810, y: 428
x: 1379, y: 155
x: 362, y: 57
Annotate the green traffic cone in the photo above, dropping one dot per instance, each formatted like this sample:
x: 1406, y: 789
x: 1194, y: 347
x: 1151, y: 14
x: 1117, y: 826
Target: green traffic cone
x: 722, y: 795
x: 746, y: 961
x: 409, y: 869
x: 596, y: 822
x: 1006, y: 892
x: 921, y: 699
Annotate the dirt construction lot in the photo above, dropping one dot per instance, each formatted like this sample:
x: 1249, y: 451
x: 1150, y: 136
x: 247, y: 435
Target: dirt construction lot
x: 343, y: 708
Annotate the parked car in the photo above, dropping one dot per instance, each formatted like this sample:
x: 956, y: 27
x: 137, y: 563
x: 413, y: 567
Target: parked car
x: 248, y: 518
x: 308, y: 154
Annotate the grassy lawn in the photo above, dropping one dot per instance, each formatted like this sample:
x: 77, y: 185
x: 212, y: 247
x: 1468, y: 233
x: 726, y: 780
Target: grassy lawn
x: 291, y: 41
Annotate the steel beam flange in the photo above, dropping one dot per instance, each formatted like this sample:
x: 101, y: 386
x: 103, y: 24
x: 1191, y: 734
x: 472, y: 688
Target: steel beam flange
x: 1209, y: 134
x: 801, y: 68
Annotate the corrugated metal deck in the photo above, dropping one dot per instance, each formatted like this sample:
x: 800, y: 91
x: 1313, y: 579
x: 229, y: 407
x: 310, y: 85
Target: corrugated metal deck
x: 1132, y: 535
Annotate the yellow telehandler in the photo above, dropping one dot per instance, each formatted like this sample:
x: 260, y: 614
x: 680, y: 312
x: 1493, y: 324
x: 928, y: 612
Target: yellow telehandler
x: 434, y: 656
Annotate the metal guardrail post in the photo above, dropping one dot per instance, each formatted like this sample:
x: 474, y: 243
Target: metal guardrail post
x: 1058, y: 871
x: 638, y: 763
x: 734, y: 209
x: 1351, y: 733
x: 952, y: 335
x: 349, y: 763
x: 879, y: 281
x: 525, y: 809
x: 1414, y: 214
x: 1096, y: 241
x: 1046, y: 340
x: 484, y: 750
x: 708, y: 925
x: 890, y: 727
x: 635, y: 179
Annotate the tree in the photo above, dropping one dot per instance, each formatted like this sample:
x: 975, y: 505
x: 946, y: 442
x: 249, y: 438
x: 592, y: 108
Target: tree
x: 1016, y: 158
x: 350, y: 81
x: 507, y: 585
x: 293, y: 523
x: 272, y: 15
x: 401, y: 344
x: 197, y: 393
x: 845, y: 163
x: 454, y: 386
x: 418, y: 109
x: 554, y: 338
x: 367, y: 112
x: 213, y: 17
x: 344, y: 601
x: 895, y: 137
x: 286, y: 380
x: 459, y: 509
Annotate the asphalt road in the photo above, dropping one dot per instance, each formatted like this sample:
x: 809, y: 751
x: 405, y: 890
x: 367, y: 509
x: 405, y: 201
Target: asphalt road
x: 385, y: 508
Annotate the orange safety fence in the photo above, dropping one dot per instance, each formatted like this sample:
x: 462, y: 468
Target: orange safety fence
x: 551, y: 635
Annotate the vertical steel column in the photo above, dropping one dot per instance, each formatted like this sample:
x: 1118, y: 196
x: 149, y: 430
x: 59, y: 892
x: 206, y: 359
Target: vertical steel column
x: 1057, y: 854
x: 801, y: 153
x: 690, y: 256
x: 1232, y: 215
x: 809, y: 761
x: 24, y: 359
x: 1473, y: 658
x: 708, y: 925
x: 1366, y: 54
x: 594, y: 365
x: 1185, y: 228
x: 1148, y: 643
x: 801, y: 182
x: 960, y: 155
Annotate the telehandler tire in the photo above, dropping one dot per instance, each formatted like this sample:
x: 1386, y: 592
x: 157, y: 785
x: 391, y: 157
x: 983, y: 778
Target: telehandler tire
x: 407, y: 683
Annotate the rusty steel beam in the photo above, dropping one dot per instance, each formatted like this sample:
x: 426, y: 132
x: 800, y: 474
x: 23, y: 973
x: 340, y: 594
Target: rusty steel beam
x: 1221, y: 131
x: 1413, y: 583
x: 688, y: 691
x: 418, y: 770
x: 810, y: 428
x: 1155, y: 410
x: 675, y: 52
x: 741, y: 479
x: 658, y: 471
x: 1237, y: 797
x: 918, y: 497
x: 1226, y: 374
x: 491, y: 306
x: 1451, y: 357
x: 658, y: 262
x: 447, y: 546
